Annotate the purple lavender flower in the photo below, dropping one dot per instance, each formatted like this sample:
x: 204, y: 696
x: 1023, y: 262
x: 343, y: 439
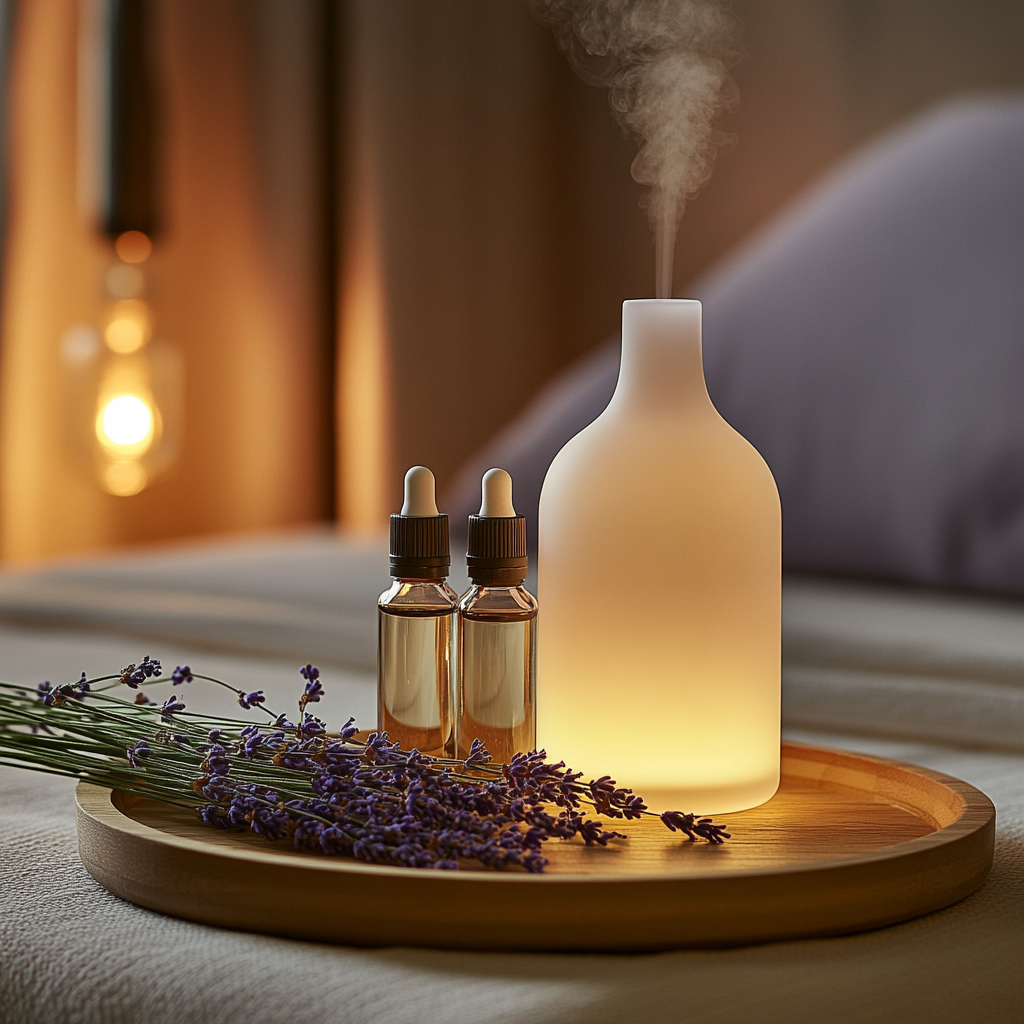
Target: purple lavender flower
x: 215, y: 762
x: 150, y: 667
x: 601, y: 792
x: 693, y: 827
x: 310, y: 727
x: 214, y: 815
x: 535, y: 863
x: 132, y: 675
x: 707, y: 829
x: 58, y: 696
x: 171, y: 705
x: 181, y: 674
x: 478, y: 753
x: 281, y: 722
x: 314, y: 690
x: 253, y: 739
x: 593, y: 832
x: 250, y: 700
x: 633, y: 806
x: 137, y: 753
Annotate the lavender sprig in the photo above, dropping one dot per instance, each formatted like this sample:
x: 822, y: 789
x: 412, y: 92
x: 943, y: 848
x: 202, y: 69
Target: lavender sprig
x: 330, y: 793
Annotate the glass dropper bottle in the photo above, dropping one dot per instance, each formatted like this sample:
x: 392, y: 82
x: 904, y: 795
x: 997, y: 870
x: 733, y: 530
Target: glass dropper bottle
x: 496, y: 680
x: 416, y: 626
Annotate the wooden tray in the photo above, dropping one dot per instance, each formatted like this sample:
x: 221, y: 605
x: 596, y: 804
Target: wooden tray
x: 848, y: 843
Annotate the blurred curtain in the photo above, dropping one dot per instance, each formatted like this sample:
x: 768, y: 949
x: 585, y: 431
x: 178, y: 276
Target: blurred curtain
x: 240, y: 279
x: 496, y: 178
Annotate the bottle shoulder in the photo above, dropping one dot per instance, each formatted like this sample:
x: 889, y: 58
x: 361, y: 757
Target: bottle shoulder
x: 504, y: 604
x: 655, y: 457
x: 418, y: 597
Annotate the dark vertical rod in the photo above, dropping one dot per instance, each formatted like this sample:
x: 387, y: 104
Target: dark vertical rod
x: 332, y: 26
x: 127, y: 120
x: 8, y: 12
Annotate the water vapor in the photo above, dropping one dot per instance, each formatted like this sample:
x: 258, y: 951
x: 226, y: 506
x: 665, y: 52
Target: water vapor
x: 666, y: 66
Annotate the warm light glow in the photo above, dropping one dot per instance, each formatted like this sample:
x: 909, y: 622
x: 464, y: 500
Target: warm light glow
x: 126, y: 423
x: 124, y: 478
x: 125, y: 282
x: 133, y: 247
x: 660, y: 586
x: 80, y: 344
x: 364, y: 442
x: 129, y: 326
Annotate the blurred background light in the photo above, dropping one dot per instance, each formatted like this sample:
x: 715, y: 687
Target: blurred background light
x: 125, y: 423
x: 129, y: 326
x: 133, y: 246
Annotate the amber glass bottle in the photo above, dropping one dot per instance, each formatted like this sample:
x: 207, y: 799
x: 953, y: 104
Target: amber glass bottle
x: 496, y: 678
x: 416, y: 627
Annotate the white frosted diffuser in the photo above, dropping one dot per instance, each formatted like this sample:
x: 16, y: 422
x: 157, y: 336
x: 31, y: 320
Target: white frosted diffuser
x: 660, y: 585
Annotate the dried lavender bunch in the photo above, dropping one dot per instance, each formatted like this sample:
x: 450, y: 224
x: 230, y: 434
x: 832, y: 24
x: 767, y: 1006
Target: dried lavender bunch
x: 332, y: 793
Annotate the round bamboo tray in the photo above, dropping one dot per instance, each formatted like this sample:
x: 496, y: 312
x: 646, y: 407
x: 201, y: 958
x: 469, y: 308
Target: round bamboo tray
x: 848, y: 843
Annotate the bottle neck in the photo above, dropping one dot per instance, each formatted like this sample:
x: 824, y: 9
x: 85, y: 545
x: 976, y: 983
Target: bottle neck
x: 502, y: 578
x: 661, y: 368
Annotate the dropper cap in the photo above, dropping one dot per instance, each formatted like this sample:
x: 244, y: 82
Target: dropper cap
x: 496, y: 550
x: 419, y: 533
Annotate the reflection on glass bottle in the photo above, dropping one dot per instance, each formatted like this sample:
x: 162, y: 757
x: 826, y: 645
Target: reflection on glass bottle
x: 497, y: 631
x: 416, y: 631
x: 416, y: 626
x: 498, y: 638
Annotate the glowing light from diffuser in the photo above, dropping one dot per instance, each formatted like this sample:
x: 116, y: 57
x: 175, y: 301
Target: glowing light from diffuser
x: 125, y: 424
x: 660, y: 584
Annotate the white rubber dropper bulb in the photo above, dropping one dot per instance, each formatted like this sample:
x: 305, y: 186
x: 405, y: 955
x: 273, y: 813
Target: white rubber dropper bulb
x: 419, y: 493
x: 497, y: 495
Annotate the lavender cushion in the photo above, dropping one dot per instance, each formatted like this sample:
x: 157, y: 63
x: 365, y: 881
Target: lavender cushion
x: 870, y: 344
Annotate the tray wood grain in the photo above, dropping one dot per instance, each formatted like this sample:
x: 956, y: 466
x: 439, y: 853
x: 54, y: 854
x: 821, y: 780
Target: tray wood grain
x: 848, y: 843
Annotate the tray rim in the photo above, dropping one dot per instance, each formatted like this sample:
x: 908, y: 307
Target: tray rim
x: 342, y: 901
x: 976, y: 813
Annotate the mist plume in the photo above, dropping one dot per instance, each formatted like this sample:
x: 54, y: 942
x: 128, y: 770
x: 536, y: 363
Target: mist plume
x: 666, y: 66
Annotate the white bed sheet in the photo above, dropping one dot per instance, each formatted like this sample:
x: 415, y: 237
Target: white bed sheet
x: 71, y: 952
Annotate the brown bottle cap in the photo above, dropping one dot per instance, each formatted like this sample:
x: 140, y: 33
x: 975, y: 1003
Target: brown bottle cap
x: 496, y: 548
x: 419, y: 533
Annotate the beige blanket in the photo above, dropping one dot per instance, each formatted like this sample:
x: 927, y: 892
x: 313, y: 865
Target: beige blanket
x: 933, y: 679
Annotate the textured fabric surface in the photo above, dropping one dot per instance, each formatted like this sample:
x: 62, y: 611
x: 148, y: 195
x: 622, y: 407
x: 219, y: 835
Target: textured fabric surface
x: 308, y: 591
x: 870, y: 344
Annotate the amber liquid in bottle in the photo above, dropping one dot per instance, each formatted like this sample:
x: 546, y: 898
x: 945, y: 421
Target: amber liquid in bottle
x: 415, y: 659
x: 497, y: 671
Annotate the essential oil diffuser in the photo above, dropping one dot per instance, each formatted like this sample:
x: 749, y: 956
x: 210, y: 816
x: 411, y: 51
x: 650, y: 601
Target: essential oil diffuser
x: 660, y: 585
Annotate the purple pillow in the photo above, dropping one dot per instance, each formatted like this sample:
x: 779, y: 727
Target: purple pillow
x: 870, y: 344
